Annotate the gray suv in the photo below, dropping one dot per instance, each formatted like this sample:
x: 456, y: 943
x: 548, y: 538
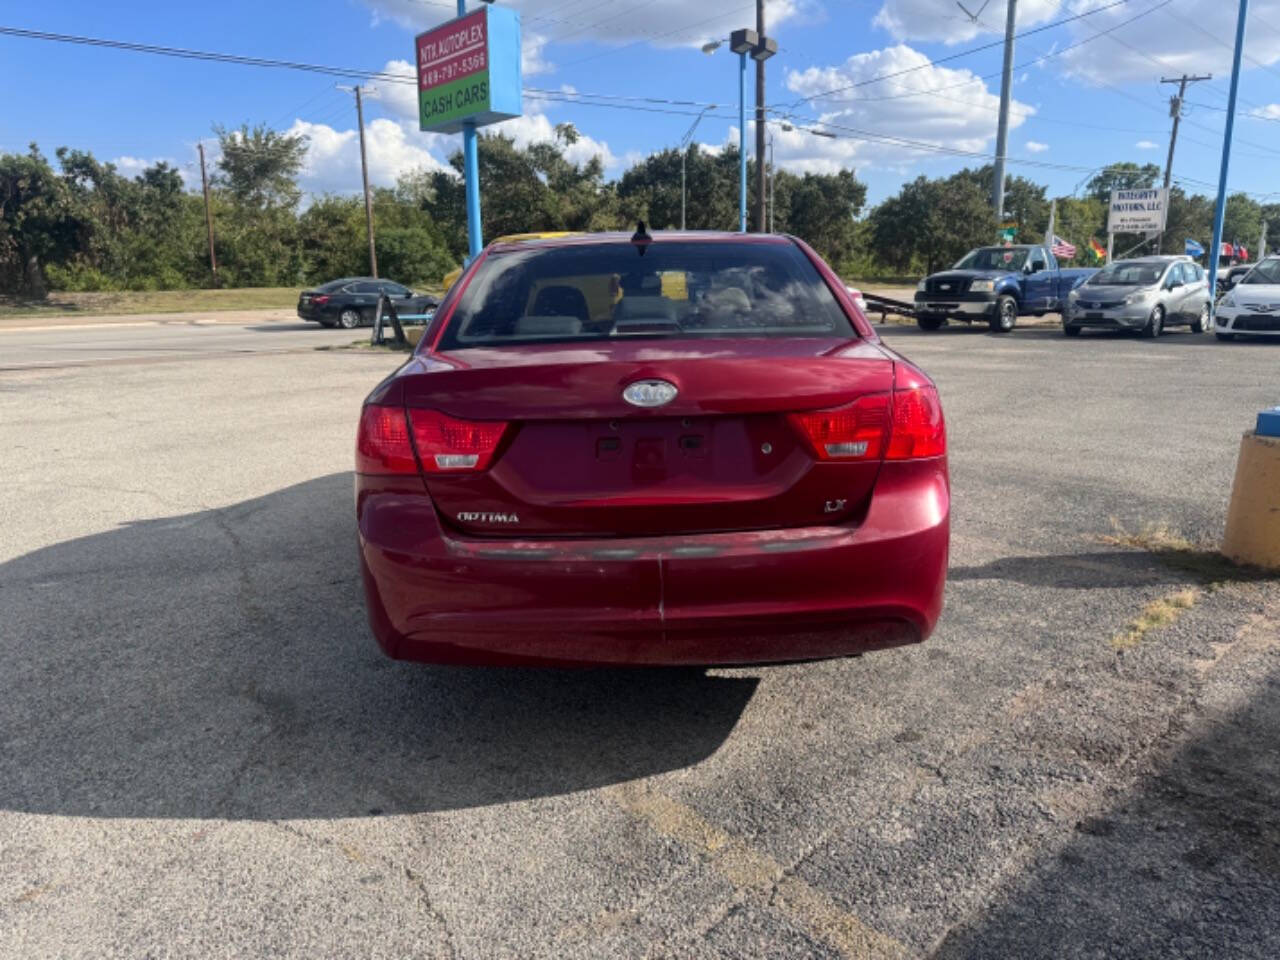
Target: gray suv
x: 1145, y: 294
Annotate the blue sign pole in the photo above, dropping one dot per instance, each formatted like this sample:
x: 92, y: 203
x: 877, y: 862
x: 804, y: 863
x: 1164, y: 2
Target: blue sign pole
x: 471, y: 172
x: 742, y: 141
x: 1220, y: 210
x: 471, y: 176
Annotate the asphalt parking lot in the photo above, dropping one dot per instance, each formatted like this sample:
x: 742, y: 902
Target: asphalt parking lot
x: 203, y: 754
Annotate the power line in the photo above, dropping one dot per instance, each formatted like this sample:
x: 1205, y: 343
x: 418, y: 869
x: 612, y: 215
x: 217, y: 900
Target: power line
x: 980, y: 78
x: 963, y: 53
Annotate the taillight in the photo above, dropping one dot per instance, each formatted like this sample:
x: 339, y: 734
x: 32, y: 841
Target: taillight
x: 904, y: 425
x: 447, y: 444
x: 855, y: 432
x: 322, y: 299
x: 918, y: 428
x: 382, y: 443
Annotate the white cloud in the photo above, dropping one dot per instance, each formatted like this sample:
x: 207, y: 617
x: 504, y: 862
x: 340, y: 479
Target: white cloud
x: 1195, y: 36
x: 1270, y: 111
x: 943, y: 21
x: 664, y: 23
x: 1147, y: 145
x: 333, y: 156
x: 395, y: 146
x: 531, y: 59
x: 1034, y: 146
x: 958, y: 112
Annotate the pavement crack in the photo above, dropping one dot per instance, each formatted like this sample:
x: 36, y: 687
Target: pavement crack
x: 393, y: 867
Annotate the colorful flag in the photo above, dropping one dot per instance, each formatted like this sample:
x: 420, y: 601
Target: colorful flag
x: 1193, y: 249
x: 1063, y: 249
x: 1098, y: 249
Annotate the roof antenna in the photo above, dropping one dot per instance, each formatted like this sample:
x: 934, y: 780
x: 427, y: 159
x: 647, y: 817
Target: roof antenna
x: 641, y: 238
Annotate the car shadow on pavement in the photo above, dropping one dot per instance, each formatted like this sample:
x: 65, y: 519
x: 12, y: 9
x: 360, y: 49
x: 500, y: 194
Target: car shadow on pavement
x: 1186, y: 864
x: 219, y: 664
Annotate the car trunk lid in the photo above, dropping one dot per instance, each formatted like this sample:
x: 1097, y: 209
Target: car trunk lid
x: 577, y: 460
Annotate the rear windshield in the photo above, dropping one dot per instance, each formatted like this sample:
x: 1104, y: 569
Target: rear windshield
x: 676, y: 289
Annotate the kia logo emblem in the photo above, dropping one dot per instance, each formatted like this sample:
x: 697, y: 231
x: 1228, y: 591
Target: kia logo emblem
x: 649, y: 393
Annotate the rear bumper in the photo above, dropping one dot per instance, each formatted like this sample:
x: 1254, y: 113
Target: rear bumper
x: 704, y: 599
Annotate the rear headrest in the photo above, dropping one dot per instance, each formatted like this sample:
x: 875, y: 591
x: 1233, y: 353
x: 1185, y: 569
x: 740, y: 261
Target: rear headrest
x: 539, y: 326
x: 561, y: 300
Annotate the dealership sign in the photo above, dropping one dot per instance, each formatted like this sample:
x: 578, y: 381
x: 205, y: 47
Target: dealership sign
x: 469, y: 71
x: 1138, y: 211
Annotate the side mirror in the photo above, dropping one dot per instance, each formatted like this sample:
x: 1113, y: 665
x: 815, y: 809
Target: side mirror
x: 1028, y: 268
x: 1173, y: 284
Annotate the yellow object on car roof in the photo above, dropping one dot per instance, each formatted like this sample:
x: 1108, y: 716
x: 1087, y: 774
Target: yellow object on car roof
x: 452, y: 276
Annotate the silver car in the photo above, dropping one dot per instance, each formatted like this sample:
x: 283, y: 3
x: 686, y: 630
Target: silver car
x: 1146, y: 294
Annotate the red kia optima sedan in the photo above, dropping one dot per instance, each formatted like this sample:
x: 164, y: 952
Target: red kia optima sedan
x: 680, y: 448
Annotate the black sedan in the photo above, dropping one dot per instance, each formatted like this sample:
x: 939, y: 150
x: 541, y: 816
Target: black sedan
x: 352, y: 301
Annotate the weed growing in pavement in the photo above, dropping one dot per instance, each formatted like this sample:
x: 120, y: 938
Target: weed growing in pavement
x: 1158, y: 613
x: 1205, y: 564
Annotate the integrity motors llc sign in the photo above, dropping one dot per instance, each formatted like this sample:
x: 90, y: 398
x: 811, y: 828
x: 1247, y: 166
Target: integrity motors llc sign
x: 1138, y: 211
x: 469, y: 71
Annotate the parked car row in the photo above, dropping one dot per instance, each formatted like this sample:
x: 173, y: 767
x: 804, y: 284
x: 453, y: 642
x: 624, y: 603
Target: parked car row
x: 1146, y: 295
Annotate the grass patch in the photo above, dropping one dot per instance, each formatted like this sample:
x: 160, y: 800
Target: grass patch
x: 1205, y: 564
x: 1158, y: 613
x: 150, y: 301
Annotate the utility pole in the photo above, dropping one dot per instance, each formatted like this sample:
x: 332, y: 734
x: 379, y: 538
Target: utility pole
x: 772, y: 205
x: 1002, y: 130
x: 208, y: 216
x: 1175, y: 111
x: 364, y: 173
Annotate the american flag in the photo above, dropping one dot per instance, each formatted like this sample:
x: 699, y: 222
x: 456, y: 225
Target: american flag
x: 1063, y: 249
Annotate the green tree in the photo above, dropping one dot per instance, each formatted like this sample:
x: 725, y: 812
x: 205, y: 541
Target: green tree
x: 821, y: 210
x: 37, y: 226
x: 1123, y: 176
x: 524, y: 190
x: 1025, y: 203
x: 650, y: 190
x: 259, y: 167
x: 257, y: 175
x: 931, y: 223
x: 1242, y: 221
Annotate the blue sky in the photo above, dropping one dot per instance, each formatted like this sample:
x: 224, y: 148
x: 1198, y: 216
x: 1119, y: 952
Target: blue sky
x: 1086, y: 93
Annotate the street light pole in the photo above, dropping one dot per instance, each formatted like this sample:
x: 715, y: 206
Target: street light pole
x: 771, y: 178
x: 742, y: 42
x: 684, y: 152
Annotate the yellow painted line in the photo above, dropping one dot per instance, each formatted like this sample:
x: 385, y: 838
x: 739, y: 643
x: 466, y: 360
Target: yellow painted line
x: 756, y: 873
